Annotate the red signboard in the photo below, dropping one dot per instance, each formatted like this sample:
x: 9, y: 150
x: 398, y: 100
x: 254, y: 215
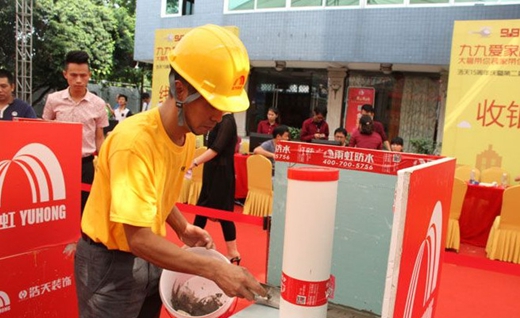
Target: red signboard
x: 38, y: 284
x: 357, y: 97
x: 368, y: 160
x: 423, y: 198
x: 40, y: 165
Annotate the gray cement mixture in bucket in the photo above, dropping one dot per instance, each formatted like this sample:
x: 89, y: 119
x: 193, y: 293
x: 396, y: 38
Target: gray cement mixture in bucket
x: 187, y: 302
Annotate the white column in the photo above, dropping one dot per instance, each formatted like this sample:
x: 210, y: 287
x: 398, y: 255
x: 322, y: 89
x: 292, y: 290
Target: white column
x: 308, y: 238
x: 336, y: 86
x: 240, y: 119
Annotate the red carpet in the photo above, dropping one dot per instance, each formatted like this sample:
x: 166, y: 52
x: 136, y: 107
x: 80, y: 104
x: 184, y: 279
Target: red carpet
x: 471, y: 285
x: 475, y: 257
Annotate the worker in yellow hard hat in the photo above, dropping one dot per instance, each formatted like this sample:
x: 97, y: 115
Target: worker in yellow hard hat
x: 139, y: 175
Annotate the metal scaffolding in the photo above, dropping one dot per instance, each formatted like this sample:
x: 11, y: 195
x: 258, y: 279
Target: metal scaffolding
x: 24, y: 30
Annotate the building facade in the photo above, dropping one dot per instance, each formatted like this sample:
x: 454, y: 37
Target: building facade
x: 309, y: 52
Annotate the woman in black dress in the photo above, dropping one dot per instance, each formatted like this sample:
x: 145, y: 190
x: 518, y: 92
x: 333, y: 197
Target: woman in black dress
x: 218, y: 179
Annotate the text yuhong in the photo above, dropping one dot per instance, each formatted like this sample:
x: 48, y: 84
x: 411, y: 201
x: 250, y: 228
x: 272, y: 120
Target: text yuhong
x: 32, y: 216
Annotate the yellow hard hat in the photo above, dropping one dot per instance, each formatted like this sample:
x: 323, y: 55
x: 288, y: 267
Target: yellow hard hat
x: 215, y: 62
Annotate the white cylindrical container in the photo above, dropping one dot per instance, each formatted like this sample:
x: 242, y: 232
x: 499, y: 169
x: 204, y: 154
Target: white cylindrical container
x: 198, y: 288
x: 307, y: 249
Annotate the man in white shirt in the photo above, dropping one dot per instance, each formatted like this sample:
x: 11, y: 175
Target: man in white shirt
x: 146, y: 102
x: 121, y: 112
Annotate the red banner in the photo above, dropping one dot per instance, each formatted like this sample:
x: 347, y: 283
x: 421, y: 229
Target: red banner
x: 357, y: 97
x: 40, y: 164
x: 368, y: 160
x: 39, y: 185
x: 425, y: 206
x: 38, y: 284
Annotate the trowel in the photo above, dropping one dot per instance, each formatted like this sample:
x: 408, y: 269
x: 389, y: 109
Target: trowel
x: 273, y: 296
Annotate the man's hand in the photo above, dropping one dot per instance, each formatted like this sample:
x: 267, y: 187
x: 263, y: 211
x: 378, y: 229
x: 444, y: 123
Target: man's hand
x: 237, y: 281
x: 195, y: 236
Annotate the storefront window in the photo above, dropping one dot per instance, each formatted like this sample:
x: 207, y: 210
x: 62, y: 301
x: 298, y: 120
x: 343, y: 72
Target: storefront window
x: 178, y: 7
x: 172, y: 7
x: 293, y: 92
x: 384, y: 2
x: 306, y: 3
x: 235, y: 5
x: 266, y: 4
x: 338, y: 3
x: 241, y: 5
x: 428, y: 1
x: 478, y: 1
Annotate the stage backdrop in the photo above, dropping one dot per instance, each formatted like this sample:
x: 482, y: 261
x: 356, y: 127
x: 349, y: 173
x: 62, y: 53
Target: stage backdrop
x: 165, y: 42
x: 482, y: 121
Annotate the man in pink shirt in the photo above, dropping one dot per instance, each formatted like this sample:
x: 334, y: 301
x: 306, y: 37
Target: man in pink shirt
x: 77, y: 104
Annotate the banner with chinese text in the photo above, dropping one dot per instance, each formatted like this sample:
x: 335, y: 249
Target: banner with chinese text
x: 39, y: 283
x: 360, y: 159
x: 357, y: 97
x: 482, y: 121
x: 165, y: 42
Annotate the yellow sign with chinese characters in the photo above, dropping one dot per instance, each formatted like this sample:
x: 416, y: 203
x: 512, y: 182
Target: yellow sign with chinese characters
x: 482, y: 121
x: 165, y: 42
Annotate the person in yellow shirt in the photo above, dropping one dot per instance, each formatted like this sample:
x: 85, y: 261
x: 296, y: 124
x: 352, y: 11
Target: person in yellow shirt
x: 138, y: 179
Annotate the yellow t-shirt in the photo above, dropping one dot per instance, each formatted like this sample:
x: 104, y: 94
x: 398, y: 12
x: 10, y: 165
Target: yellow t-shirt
x: 138, y: 179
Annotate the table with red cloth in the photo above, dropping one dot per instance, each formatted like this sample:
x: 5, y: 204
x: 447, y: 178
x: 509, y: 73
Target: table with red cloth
x: 240, y: 176
x: 481, y: 205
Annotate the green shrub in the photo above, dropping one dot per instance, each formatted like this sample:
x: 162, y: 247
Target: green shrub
x: 424, y: 146
x: 294, y: 133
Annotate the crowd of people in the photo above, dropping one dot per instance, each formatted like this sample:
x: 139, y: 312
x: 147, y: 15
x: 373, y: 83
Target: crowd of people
x: 369, y: 133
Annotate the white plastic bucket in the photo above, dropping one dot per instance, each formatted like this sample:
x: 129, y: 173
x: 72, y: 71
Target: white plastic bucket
x: 199, y: 286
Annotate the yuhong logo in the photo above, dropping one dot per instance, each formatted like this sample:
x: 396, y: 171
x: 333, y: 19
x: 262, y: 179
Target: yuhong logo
x: 46, y: 183
x: 5, y: 302
x: 239, y: 82
x: 431, y: 248
x: 42, y: 169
